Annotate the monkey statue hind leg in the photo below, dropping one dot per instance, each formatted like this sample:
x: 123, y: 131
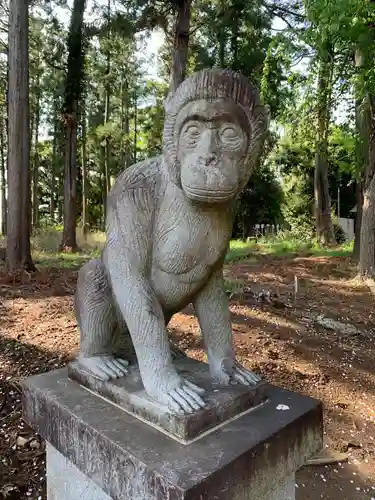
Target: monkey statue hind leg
x: 105, y: 338
x: 97, y: 318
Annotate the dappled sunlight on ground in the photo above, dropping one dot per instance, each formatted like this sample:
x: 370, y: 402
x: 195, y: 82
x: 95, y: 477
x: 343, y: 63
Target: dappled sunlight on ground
x: 281, y: 339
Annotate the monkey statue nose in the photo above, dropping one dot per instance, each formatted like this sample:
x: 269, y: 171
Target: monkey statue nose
x: 211, y: 159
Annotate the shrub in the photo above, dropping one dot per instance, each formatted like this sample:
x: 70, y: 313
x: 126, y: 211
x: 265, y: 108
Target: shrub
x: 339, y: 233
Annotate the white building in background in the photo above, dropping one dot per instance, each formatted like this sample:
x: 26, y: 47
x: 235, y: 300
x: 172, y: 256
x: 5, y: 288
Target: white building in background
x: 348, y: 227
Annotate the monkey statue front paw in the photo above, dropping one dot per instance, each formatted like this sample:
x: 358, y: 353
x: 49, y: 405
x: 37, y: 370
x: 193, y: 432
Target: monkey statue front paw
x: 180, y: 395
x: 104, y: 367
x: 227, y: 370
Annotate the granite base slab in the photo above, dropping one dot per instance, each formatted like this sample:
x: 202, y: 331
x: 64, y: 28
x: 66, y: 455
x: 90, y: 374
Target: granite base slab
x: 246, y: 458
x: 80, y: 487
x: 66, y: 482
x: 128, y: 392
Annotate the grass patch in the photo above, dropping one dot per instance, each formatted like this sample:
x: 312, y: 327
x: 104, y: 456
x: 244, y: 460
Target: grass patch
x: 280, y: 247
x: 345, y: 250
x: 45, y: 247
x: 62, y: 260
x: 234, y: 286
x: 239, y: 250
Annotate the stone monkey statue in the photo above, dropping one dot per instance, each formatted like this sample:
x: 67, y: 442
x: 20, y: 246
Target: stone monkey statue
x: 169, y: 225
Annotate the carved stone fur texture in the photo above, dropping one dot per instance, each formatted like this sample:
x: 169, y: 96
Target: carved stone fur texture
x: 169, y: 225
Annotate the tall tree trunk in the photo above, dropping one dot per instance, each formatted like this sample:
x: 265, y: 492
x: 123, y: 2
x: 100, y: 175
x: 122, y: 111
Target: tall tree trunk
x: 53, y: 194
x: 135, y: 127
x: 125, y: 126
x: 221, y: 36
x: 73, y: 87
x: 84, y: 175
x: 3, y: 199
x: 69, y: 238
x: 107, y: 155
x: 181, y: 44
x: 18, y: 251
x: 358, y: 219
x: 367, y: 246
x: 323, y: 220
x: 35, y: 196
x: 59, y: 200
x: 238, y: 6
x: 363, y: 127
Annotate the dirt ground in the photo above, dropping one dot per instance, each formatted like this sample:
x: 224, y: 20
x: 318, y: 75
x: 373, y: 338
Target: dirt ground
x: 276, y: 334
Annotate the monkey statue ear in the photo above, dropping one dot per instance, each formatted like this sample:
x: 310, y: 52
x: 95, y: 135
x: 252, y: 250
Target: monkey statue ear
x: 259, y: 119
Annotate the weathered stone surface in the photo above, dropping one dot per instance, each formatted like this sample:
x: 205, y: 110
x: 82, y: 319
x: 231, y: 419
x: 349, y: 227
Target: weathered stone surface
x: 169, y: 224
x: 66, y: 482
x: 285, y: 490
x: 80, y: 487
x: 222, y: 403
x: 128, y: 459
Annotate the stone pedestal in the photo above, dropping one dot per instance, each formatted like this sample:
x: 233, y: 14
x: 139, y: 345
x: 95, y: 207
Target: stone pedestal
x: 99, y: 451
x: 80, y: 487
x: 222, y: 403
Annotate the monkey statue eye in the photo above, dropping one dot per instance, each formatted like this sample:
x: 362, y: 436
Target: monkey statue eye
x: 190, y: 133
x: 231, y: 135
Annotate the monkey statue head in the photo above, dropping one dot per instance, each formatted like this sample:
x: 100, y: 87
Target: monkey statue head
x: 213, y: 135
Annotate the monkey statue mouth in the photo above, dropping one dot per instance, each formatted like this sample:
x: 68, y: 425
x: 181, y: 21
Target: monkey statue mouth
x: 210, y: 195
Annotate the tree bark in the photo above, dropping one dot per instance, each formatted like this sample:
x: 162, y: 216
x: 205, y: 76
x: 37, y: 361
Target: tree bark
x: 363, y: 127
x: 323, y: 220
x: 53, y: 194
x: 84, y: 176
x: 135, y: 127
x: 3, y: 199
x: 221, y: 37
x: 181, y: 44
x: 69, y: 238
x: 125, y: 126
x: 18, y: 251
x: 73, y: 87
x: 237, y: 7
x: 59, y: 200
x: 35, y: 195
x: 358, y: 219
x: 107, y: 155
x: 367, y: 245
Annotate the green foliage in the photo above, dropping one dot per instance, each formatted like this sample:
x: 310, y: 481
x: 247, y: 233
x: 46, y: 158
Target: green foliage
x: 294, y: 159
x: 260, y: 202
x: 339, y: 233
x: 229, y: 33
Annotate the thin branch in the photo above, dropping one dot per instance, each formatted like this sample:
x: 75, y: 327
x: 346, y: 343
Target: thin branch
x: 272, y: 11
x: 293, y: 13
x: 4, y: 401
x: 191, y: 32
x: 295, y: 63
